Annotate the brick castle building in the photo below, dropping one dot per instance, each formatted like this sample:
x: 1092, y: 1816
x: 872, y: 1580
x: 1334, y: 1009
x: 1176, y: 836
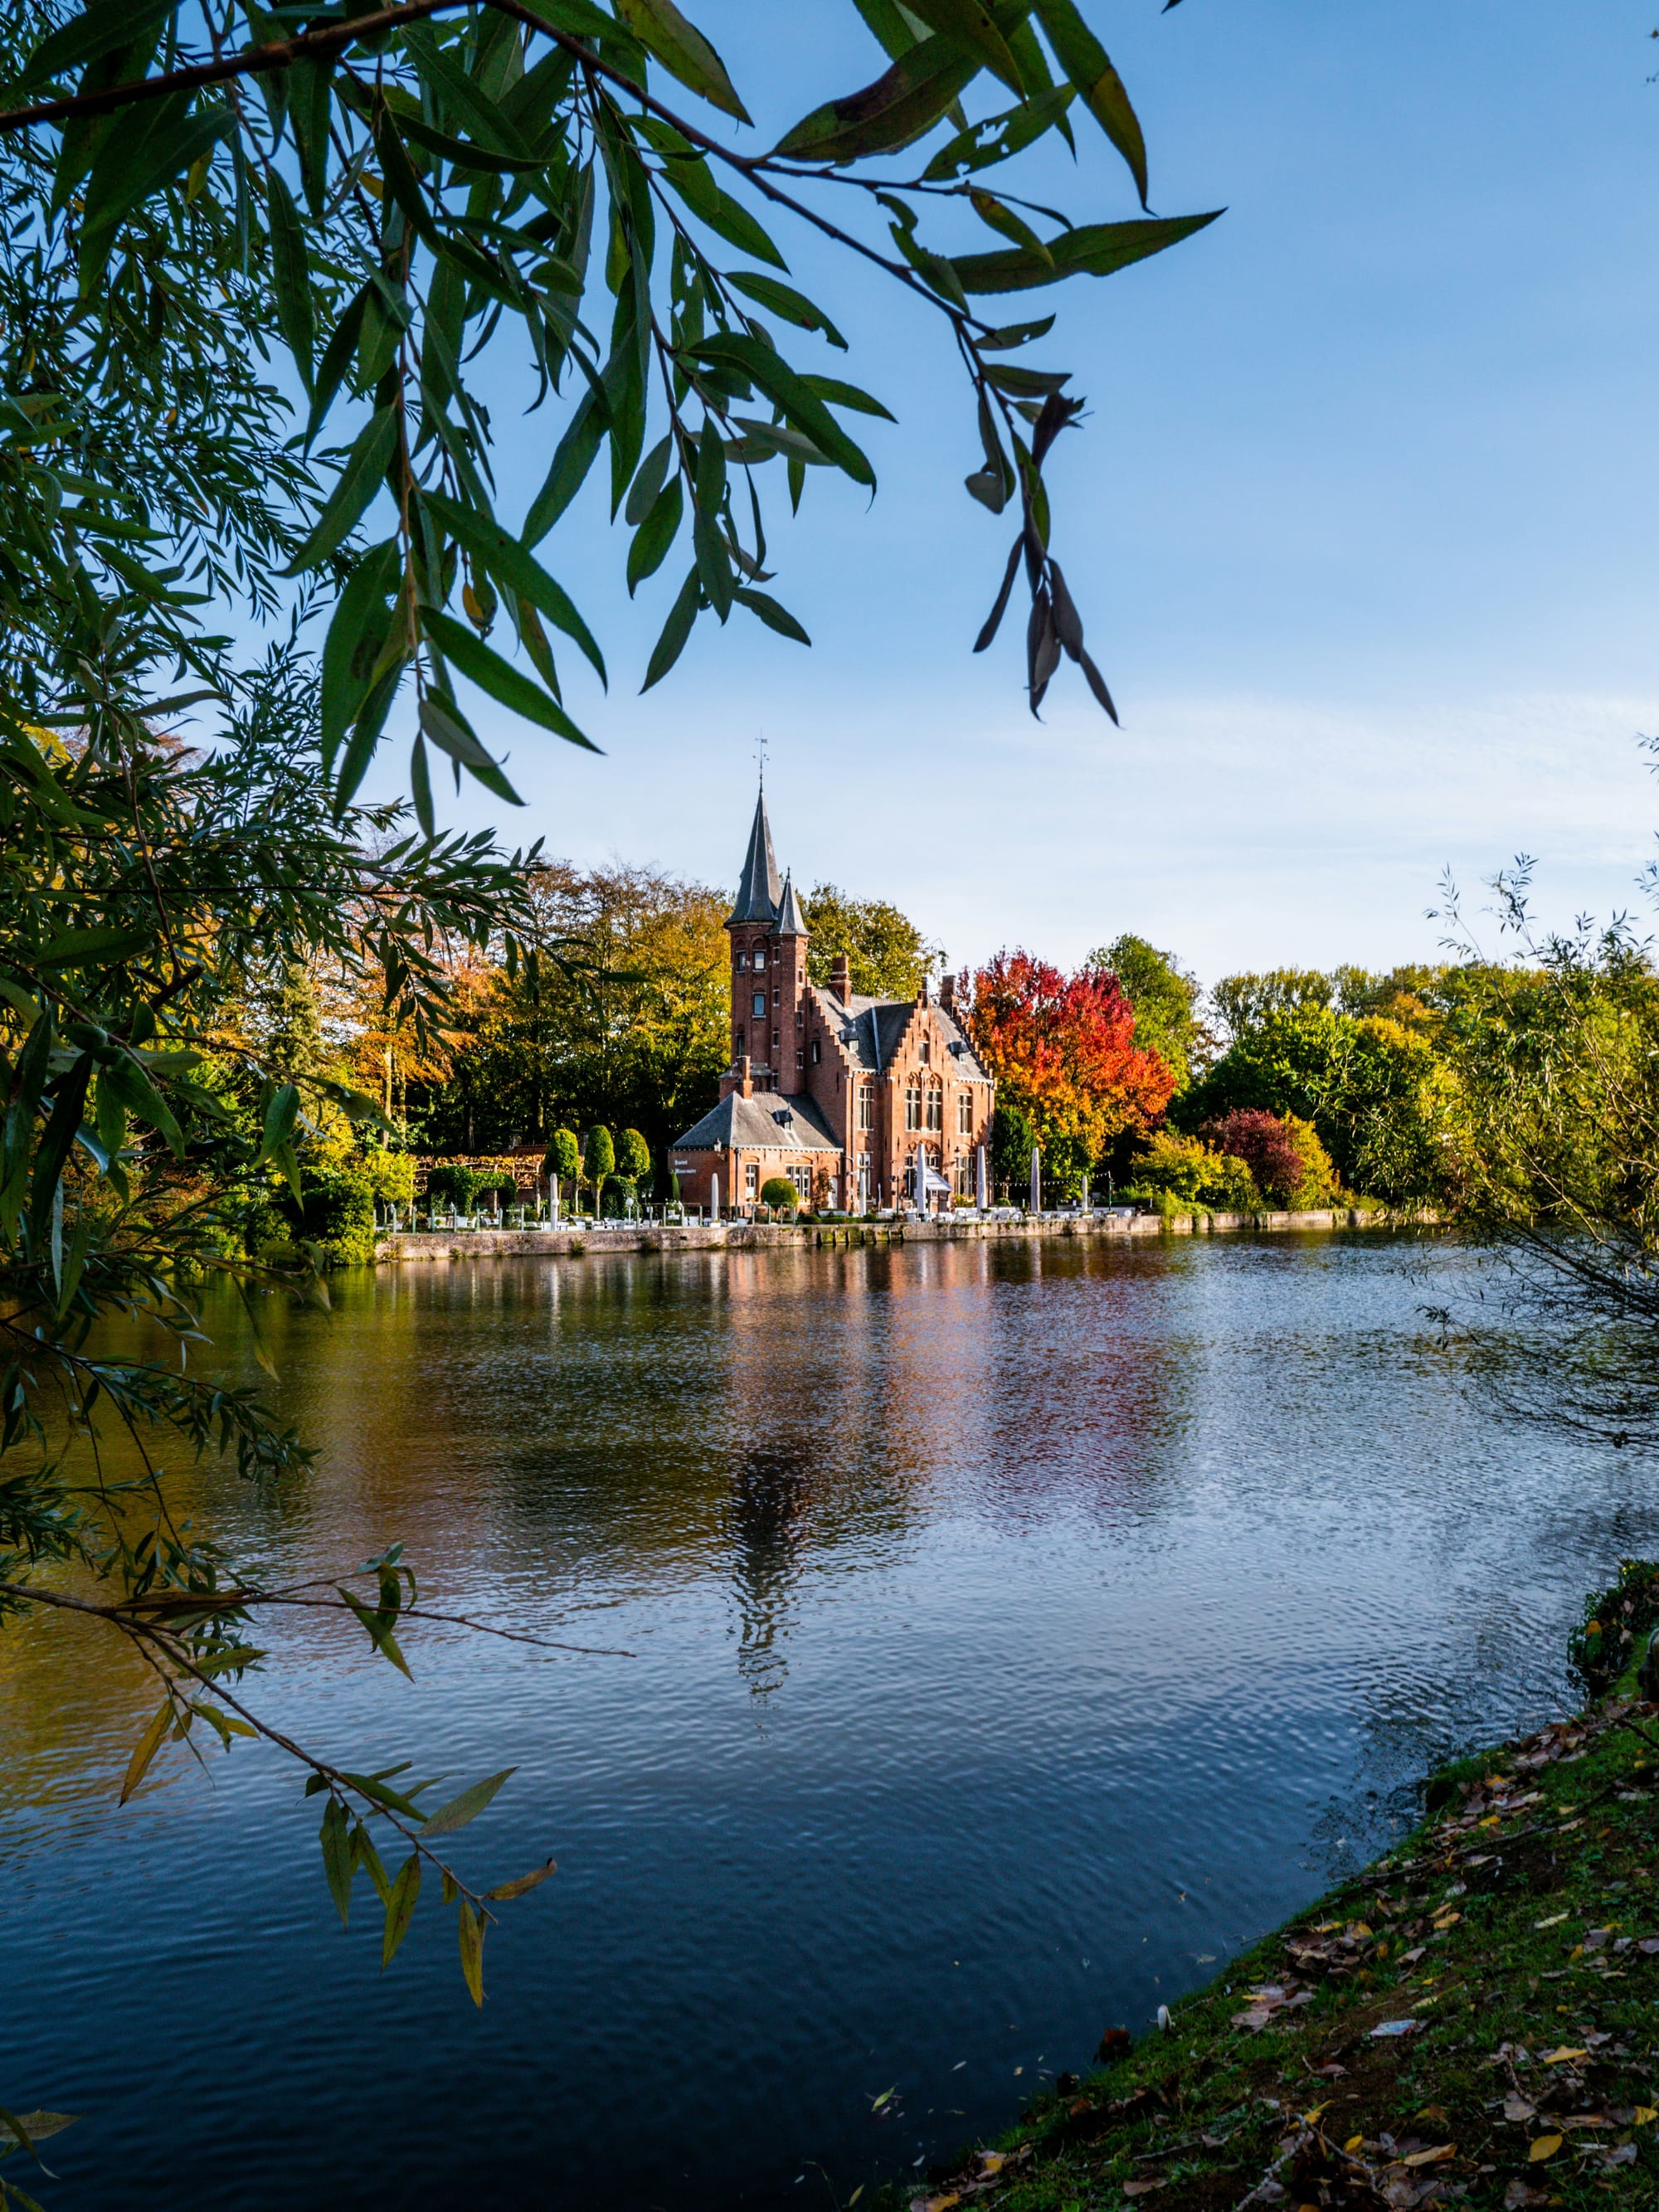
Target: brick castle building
x: 847, y: 1098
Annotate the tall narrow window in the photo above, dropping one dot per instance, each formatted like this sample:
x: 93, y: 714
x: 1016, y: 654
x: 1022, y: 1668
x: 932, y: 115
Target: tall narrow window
x: 935, y: 1107
x: 913, y: 1105
x: 739, y: 1044
x: 965, y: 1113
x: 760, y: 1006
x: 867, y: 1106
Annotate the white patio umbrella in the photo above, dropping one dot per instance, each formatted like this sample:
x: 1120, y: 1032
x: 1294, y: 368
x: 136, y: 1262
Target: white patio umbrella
x: 982, y: 1193
x: 714, y: 1190
x: 1036, y: 1180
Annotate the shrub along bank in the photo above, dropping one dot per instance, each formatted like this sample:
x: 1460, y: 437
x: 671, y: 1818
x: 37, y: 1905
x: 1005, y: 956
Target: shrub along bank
x: 1473, y: 2021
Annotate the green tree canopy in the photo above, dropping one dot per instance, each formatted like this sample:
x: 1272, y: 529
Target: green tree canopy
x: 1167, y: 1002
x: 887, y: 956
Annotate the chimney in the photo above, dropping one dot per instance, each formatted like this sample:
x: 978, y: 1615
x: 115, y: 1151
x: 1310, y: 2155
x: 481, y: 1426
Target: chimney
x: 947, y: 994
x: 841, y: 979
x: 745, y: 1080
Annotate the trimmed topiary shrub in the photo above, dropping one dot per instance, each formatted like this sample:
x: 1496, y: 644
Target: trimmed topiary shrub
x: 779, y: 1194
x: 633, y: 1156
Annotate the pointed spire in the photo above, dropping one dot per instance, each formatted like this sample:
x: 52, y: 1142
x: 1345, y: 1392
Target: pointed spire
x: 758, y: 888
x: 791, y: 923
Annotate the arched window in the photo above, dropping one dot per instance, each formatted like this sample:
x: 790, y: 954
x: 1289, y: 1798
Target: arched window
x: 935, y: 1107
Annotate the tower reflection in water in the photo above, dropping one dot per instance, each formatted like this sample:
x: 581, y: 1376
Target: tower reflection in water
x: 766, y: 1521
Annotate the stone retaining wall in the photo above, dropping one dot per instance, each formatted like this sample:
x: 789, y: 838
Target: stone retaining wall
x: 743, y: 1236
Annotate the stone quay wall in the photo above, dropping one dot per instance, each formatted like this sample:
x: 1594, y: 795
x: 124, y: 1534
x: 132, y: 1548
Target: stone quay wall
x: 407, y: 1245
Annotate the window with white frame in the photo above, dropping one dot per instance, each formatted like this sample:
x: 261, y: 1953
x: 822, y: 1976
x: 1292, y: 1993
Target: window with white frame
x: 935, y: 1107
x: 913, y: 1105
x: 965, y: 1113
x: 751, y: 1181
x: 760, y: 1006
x: 866, y: 1105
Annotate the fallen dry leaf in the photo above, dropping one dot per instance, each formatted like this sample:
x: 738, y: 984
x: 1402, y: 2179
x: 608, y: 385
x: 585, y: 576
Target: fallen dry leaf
x: 1411, y: 1957
x: 1433, y: 2157
x: 1554, y: 1921
x: 1645, y: 2115
x: 1566, y: 2055
x: 1543, y: 2147
x: 1396, y: 2028
x: 1140, y: 2188
x: 1517, y: 2108
x: 935, y: 2203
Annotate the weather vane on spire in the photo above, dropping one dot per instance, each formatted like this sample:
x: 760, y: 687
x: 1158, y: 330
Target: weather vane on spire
x: 760, y: 755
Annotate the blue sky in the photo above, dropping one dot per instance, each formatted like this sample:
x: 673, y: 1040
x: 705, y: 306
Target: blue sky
x: 1362, y: 524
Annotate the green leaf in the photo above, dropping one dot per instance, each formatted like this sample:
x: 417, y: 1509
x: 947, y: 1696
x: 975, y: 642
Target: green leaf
x: 572, y: 459
x: 1094, y: 249
x: 784, y: 300
x: 336, y: 359
x: 104, y: 28
x: 281, y: 1115
x: 466, y: 1807
x: 1085, y: 61
x: 721, y: 213
x: 655, y: 535
x: 290, y: 272
x: 449, y: 730
x: 132, y: 1086
x: 648, y: 480
x: 991, y: 211
x: 675, y: 631
x: 516, y: 570
x: 379, y: 1626
x: 683, y: 51
x: 145, y: 1749
x: 356, y: 637
x: 335, y: 1837
x: 505, y: 1891
x: 969, y: 25
x: 486, y: 668
x: 472, y: 1935
x: 791, y: 393
x: 359, y: 480
x: 1000, y: 138
x: 774, y: 616
x: 79, y: 948
x: 898, y: 107
x: 400, y: 1908
x: 846, y: 395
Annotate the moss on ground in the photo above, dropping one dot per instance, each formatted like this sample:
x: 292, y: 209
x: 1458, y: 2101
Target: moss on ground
x: 1516, y: 1931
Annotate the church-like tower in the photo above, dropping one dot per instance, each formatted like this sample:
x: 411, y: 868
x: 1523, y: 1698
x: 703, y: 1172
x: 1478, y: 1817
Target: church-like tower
x: 751, y: 925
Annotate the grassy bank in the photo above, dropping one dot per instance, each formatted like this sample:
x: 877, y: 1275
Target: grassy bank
x: 1475, y: 2019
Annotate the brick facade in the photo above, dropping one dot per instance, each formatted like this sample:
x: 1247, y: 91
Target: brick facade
x: 837, y: 1092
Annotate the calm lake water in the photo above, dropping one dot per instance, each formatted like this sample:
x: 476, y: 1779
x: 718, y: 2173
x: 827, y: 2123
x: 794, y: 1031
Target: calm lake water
x: 1015, y: 1633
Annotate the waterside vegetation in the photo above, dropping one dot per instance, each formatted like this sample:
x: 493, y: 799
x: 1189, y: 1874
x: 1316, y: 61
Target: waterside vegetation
x: 1471, y: 2020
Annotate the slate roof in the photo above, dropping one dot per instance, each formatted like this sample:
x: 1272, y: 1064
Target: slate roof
x: 751, y: 1125
x: 790, y: 923
x: 759, y: 889
x: 871, y: 1030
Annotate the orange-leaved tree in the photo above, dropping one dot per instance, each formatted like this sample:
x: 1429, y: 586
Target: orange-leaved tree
x: 1062, y: 1050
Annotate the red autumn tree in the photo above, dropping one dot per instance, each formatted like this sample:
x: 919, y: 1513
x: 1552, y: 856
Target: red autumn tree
x: 1062, y: 1050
